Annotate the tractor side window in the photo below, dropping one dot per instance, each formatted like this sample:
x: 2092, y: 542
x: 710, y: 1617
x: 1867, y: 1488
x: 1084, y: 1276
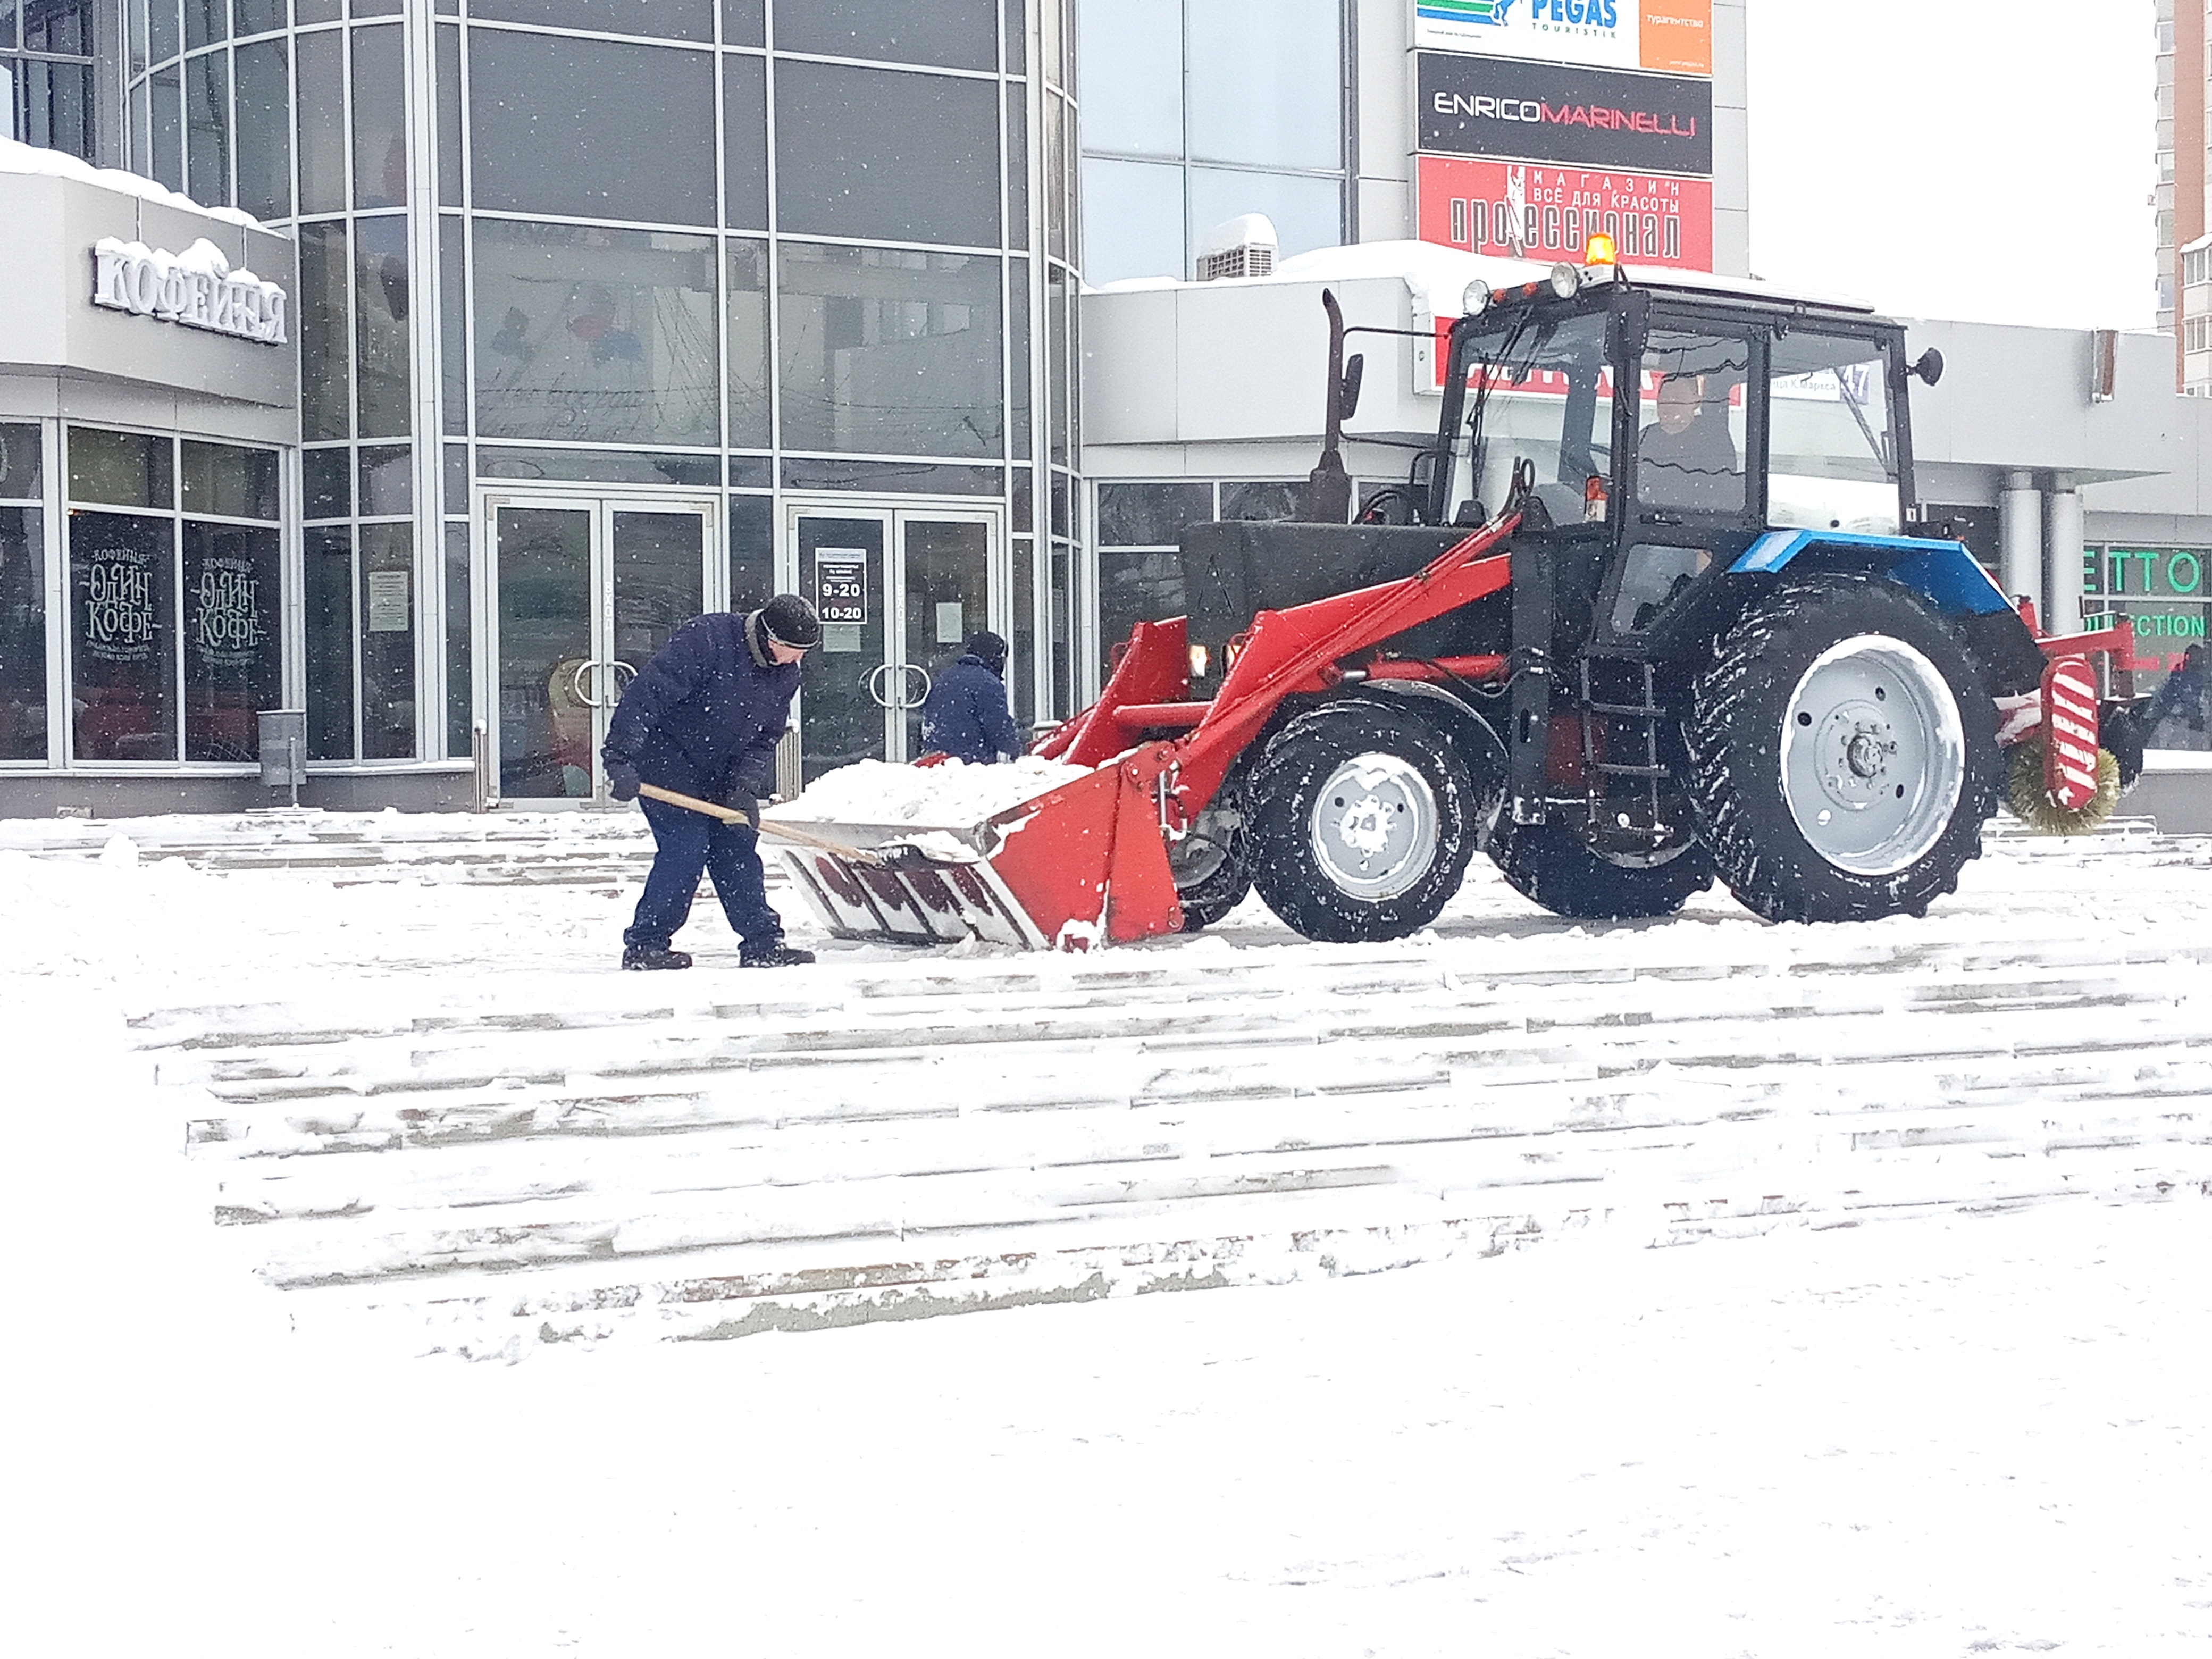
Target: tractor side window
x: 1539, y: 392
x: 1831, y: 456
x: 1690, y: 444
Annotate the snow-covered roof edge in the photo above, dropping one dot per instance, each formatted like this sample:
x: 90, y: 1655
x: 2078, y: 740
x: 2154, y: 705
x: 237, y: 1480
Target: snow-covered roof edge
x: 29, y: 161
x: 1438, y: 276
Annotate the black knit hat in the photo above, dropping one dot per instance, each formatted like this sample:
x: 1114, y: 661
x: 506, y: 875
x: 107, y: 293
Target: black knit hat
x: 990, y: 647
x: 789, y: 620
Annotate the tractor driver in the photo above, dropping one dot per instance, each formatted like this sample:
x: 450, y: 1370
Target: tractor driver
x: 1688, y: 459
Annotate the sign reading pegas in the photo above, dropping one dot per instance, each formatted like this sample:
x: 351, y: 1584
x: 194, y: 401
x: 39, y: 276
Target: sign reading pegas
x: 1550, y: 113
x: 1672, y: 36
x: 197, y: 288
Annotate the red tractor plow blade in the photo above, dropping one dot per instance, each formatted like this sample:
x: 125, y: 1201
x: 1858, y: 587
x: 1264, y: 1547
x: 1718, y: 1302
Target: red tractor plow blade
x: 1081, y: 865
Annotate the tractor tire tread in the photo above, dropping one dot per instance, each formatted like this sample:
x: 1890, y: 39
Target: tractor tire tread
x: 1755, y: 844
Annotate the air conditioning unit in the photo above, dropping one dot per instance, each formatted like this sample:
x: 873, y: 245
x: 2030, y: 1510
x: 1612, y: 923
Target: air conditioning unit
x: 1243, y: 247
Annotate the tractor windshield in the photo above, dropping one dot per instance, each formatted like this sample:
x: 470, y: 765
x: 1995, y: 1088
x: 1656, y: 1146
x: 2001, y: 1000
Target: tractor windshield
x: 1539, y: 390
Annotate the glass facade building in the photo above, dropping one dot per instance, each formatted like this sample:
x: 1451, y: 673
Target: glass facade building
x: 1198, y: 111
x: 50, y: 86
x: 613, y: 310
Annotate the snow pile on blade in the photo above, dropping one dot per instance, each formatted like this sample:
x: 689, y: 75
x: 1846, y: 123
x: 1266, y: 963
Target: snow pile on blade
x: 1035, y: 854
x: 952, y: 795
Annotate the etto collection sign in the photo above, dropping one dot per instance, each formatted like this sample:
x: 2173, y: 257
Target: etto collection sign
x: 195, y: 288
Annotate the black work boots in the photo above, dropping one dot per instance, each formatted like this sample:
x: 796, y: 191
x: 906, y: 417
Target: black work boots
x: 645, y: 957
x: 778, y: 954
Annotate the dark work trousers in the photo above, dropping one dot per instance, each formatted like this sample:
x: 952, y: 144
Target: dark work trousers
x: 687, y: 843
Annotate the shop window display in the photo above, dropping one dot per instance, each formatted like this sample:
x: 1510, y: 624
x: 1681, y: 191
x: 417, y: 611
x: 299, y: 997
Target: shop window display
x: 2166, y: 593
x: 123, y: 648
x: 22, y: 598
x: 176, y: 597
x: 233, y: 666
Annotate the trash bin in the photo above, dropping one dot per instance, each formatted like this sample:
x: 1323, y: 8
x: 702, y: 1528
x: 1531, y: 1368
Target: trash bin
x: 284, y: 749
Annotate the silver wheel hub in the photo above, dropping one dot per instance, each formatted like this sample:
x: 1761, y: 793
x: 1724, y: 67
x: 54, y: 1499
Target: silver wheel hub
x: 1874, y: 754
x: 1374, y: 827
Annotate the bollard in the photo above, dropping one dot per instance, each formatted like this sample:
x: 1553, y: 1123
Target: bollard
x: 284, y: 749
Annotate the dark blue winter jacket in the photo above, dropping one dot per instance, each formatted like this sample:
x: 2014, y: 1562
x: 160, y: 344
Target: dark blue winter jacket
x: 965, y: 714
x: 705, y: 714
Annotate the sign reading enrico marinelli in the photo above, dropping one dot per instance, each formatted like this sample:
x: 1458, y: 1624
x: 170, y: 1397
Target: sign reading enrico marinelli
x: 1535, y: 111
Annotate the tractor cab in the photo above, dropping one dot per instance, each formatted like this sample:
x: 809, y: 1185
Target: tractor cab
x: 1675, y: 420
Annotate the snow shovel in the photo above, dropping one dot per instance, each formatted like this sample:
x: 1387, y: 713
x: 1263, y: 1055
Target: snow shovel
x: 730, y: 814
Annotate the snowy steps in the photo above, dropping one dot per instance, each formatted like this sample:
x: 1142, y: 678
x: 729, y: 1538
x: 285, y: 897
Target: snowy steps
x: 925, y: 1140
x: 576, y: 847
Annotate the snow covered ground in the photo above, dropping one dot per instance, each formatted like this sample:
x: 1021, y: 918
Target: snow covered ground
x: 1928, y: 1381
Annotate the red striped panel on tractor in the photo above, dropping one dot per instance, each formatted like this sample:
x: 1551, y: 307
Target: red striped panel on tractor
x: 2069, y: 732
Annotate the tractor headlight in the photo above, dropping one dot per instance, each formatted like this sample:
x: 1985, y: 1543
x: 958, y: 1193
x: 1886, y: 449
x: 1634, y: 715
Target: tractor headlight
x: 1566, y: 280
x: 1476, y: 300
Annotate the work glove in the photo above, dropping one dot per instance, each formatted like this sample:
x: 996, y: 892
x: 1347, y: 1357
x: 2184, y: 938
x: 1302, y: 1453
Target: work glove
x: 622, y: 779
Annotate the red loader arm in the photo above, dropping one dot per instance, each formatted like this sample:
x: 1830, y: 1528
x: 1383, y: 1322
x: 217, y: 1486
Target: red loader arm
x: 1285, y: 653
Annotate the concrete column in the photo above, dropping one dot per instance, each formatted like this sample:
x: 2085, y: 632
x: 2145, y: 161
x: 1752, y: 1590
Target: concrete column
x: 2019, y: 537
x: 2065, y: 537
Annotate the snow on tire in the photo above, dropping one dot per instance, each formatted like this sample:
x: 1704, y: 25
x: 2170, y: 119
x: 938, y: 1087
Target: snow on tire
x: 1843, y: 754
x: 1555, y: 866
x: 1359, y: 821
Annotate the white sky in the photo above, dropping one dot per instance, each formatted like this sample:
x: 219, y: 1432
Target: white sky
x: 1991, y: 160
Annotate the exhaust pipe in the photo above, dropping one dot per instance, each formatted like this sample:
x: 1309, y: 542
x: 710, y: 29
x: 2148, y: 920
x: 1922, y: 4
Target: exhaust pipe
x: 1329, y: 486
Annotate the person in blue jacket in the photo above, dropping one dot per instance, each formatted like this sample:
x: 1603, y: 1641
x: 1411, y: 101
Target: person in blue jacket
x: 965, y: 714
x: 703, y: 719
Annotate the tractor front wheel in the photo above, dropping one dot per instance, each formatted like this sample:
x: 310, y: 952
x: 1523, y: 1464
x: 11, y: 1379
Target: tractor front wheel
x: 1212, y: 870
x: 1361, y: 820
x: 1843, y: 754
x: 1555, y: 866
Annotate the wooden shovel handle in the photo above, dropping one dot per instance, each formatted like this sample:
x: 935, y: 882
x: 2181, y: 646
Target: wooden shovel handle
x: 711, y: 809
x: 782, y: 831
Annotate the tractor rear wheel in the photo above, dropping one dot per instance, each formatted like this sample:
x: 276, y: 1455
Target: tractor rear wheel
x: 1361, y: 822
x: 1844, y: 754
x: 1555, y: 866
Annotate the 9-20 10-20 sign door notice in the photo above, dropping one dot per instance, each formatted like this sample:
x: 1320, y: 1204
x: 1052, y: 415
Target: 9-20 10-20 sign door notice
x: 840, y: 584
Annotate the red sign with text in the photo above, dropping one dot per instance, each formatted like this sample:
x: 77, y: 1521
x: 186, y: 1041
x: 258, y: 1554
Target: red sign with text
x: 1523, y: 210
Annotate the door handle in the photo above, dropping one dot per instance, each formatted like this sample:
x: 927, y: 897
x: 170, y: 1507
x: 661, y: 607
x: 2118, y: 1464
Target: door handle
x: 917, y: 668
x: 623, y: 674
x: 875, y: 684
x: 576, y: 684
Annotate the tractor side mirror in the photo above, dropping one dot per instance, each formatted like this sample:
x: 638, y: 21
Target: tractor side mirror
x: 1930, y: 365
x: 1348, y: 391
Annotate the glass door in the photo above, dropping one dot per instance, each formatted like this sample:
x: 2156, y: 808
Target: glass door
x: 898, y: 590
x: 945, y: 577
x: 841, y: 569
x: 541, y: 726
x: 585, y: 593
